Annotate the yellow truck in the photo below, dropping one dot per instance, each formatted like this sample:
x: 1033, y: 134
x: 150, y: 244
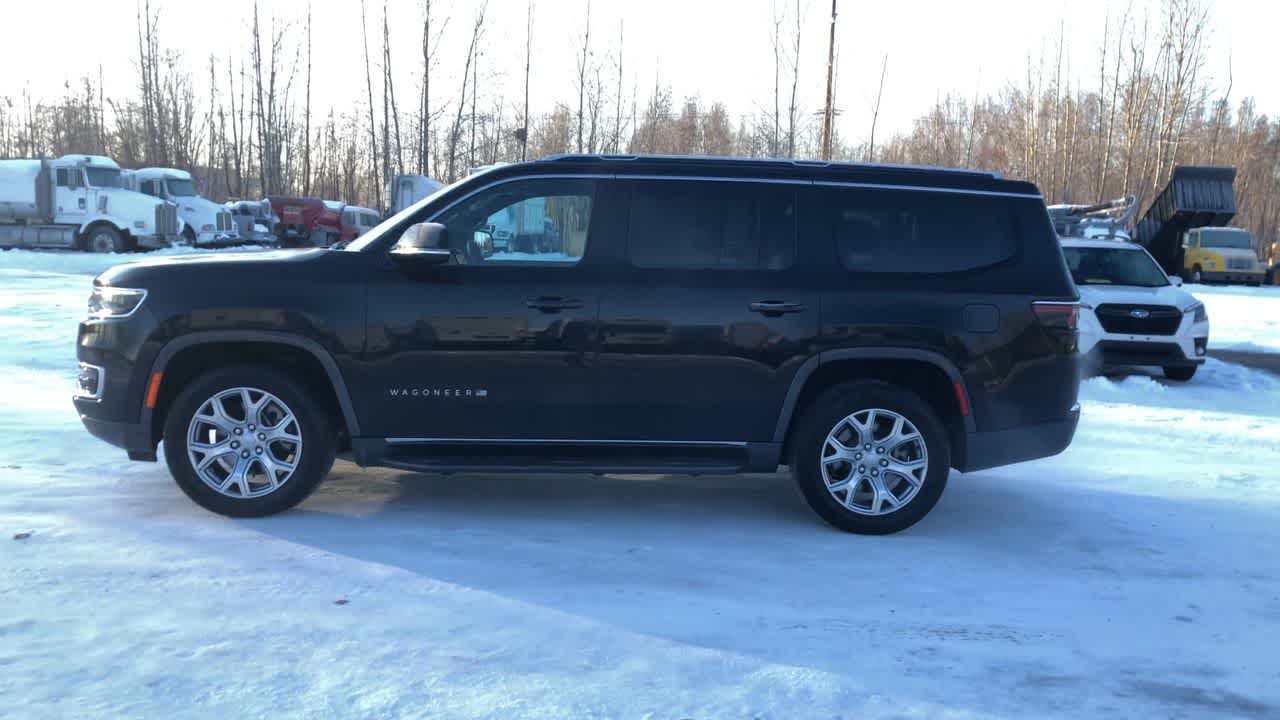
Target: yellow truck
x: 1221, y: 254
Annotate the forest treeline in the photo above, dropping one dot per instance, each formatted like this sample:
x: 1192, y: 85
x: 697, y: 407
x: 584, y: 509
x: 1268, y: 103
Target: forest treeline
x: 1146, y: 106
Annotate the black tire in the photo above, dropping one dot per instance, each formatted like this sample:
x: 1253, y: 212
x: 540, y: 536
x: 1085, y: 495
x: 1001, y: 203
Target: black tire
x: 841, y: 401
x: 189, y: 236
x: 104, y: 239
x: 314, y: 424
x: 1181, y: 374
x: 1196, y: 275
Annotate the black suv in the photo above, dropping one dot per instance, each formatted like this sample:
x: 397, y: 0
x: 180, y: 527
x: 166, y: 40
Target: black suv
x: 872, y: 327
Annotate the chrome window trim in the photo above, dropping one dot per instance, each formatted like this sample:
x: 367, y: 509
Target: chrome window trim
x: 556, y: 441
x: 925, y: 188
x: 716, y: 178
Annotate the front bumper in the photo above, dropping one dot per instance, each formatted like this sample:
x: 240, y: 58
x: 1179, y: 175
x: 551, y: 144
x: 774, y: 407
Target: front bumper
x: 985, y: 450
x: 1232, y: 276
x: 155, y: 242
x: 1102, y: 350
x: 133, y: 437
x: 220, y: 237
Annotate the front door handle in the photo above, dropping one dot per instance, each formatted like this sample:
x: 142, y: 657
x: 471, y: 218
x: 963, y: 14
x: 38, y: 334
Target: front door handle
x: 553, y: 304
x: 773, y: 308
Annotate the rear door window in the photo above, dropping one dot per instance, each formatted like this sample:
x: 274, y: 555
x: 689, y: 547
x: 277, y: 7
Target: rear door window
x: 909, y: 231
x: 707, y: 225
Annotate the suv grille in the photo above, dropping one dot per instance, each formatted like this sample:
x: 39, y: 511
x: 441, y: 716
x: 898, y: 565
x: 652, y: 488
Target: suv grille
x: 1139, y: 319
x: 166, y: 219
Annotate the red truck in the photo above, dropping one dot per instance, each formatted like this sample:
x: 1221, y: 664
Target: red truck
x: 307, y: 221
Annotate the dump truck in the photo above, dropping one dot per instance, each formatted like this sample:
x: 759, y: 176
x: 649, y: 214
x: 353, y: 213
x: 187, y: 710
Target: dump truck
x: 1195, y: 197
x: 79, y: 202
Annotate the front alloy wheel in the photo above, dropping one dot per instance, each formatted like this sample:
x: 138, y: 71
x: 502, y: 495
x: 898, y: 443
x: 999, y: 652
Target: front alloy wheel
x: 248, y: 441
x: 244, y: 442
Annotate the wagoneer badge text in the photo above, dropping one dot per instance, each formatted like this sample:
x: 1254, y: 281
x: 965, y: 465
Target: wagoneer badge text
x: 463, y: 393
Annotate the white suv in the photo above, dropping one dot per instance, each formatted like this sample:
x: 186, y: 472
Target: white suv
x: 1131, y: 313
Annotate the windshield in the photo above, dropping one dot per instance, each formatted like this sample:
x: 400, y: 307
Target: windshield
x: 103, y: 177
x: 363, y: 241
x: 181, y: 188
x: 1225, y: 239
x: 1114, y: 266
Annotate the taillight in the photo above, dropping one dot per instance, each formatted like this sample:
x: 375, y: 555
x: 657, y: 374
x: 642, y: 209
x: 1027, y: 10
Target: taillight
x: 1058, y: 315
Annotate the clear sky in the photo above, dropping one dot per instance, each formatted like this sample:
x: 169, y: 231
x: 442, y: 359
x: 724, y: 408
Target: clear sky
x: 718, y: 49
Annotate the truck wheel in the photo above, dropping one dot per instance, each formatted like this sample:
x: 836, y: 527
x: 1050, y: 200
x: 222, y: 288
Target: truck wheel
x: 247, y: 441
x: 1196, y: 276
x: 104, y: 239
x: 1181, y: 374
x: 189, y: 236
x: 870, y: 457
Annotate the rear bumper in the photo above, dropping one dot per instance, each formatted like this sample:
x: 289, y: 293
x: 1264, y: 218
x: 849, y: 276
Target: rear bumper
x: 1232, y: 276
x: 985, y: 450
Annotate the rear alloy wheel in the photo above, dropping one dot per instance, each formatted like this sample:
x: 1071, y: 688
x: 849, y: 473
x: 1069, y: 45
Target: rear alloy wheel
x: 104, y: 239
x: 871, y: 458
x: 247, y: 442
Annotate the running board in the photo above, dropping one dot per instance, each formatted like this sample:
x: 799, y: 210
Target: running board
x: 445, y: 455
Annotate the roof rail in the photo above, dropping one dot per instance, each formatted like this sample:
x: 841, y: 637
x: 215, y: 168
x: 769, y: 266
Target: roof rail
x: 579, y: 157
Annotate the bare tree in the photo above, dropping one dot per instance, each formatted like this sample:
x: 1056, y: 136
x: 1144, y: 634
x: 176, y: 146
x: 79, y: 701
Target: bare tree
x: 875, y: 112
x: 792, y: 108
x: 584, y: 64
x: 306, y: 117
x: 523, y: 132
x: 476, y: 31
x: 373, y: 127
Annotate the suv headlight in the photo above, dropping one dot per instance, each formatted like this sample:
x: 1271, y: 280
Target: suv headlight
x: 1201, y: 315
x: 114, y: 302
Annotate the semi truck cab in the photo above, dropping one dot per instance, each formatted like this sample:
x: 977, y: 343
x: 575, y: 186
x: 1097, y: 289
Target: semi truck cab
x: 207, y: 223
x: 79, y: 201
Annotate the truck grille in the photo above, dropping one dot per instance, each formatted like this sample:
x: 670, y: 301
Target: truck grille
x: 224, y: 221
x: 166, y: 219
x: 1239, y: 264
x: 1139, y: 319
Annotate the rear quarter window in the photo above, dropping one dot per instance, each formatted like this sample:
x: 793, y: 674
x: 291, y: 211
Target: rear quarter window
x: 916, y: 231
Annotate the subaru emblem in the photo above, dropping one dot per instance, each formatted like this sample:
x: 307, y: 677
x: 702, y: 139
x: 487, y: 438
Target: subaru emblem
x: 1139, y: 314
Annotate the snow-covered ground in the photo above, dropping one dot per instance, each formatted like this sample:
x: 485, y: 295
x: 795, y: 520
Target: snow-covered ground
x: 1136, y: 575
x: 1241, y: 318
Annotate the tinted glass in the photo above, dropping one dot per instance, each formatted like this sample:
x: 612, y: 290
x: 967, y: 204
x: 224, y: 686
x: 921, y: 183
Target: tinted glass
x: 1118, y: 266
x: 712, y: 226
x: 60, y: 177
x: 104, y: 177
x: 181, y: 188
x: 1225, y: 239
x: 905, y: 231
x: 533, y: 221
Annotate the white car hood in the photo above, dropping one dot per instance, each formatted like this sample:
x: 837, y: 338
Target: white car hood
x: 1096, y: 295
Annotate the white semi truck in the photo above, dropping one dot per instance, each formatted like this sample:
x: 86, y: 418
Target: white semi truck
x: 207, y: 223
x: 79, y: 202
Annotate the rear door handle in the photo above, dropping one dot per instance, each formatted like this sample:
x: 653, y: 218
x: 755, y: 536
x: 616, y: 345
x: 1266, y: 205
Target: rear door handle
x: 553, y: 304
x: 775, y: 307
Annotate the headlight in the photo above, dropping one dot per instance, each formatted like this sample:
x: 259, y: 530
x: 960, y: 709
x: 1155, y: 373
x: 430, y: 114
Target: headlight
x: 1201, y: 315
x: 206, y: 228
x: 139, y: 223
x: 114, y: 302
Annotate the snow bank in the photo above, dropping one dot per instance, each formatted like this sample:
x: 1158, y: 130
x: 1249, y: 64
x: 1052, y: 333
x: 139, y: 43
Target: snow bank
x: 1241, y: 318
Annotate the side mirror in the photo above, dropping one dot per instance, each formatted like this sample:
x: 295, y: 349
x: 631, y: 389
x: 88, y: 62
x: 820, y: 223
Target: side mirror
x: 426, y: 243
x: 1177, y: 281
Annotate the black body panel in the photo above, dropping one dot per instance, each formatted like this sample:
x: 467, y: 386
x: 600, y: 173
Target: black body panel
x: 609, y: 363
